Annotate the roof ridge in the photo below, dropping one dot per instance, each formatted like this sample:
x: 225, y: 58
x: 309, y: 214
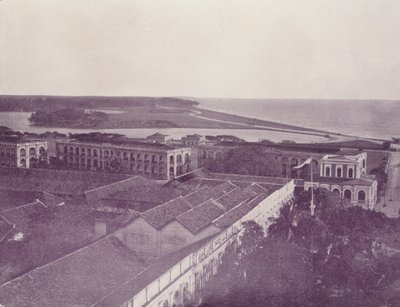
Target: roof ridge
x: 37, y: 201
x: 58, y: 259
x: 107, y: 185
x: 174, y: 199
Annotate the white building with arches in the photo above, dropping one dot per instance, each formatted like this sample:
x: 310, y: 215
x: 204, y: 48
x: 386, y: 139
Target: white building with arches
x: 22, y: 153
x: 158, y: 161
x: 345, y: 175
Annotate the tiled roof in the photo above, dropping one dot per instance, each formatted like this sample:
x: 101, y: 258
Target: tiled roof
x: 234, y: 198
x: 238, y: 212
x: 77, y: 279
x: 5, y: 228
x: 52, y: 200
x: 196, y: 198
x: 10, y: 198
x: 201, y: 216
x: 52, y: 181
x: 124, y: 293
x: 165, y: 213
x: 23, y: 216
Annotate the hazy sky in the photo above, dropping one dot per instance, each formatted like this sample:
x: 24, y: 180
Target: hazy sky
x: 230, y: 48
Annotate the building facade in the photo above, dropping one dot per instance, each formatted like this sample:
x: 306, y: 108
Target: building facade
x: 24, y: 154
x: 189, y: 275
x: 151, y: 160
x: 345, y: 176
x: 193, y: 140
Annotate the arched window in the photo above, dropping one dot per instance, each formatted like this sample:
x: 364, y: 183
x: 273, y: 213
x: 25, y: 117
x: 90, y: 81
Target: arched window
x: 339, y: 172
x: 153, y: 158
x: 171, y: 171
x: 71, y: 149
x: 204, y: 155
x: 22, y: 152
x: 32, y: 151
x: 351, y: 175
x: 179, y: 158
x: 361, y: 196
x: 327, y: 171
x: 42, y: 151
x: 65, y: 149
x: 23, y: 163
x: 106, y: 153
x: 336, y: 192
x: 347, y: 194
x: 95, y: 152
x: 132, y: 156
x: 77, y: 151
x: 171, y: 159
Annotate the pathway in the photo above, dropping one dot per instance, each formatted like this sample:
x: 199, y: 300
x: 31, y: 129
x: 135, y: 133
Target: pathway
x: 391, y: 203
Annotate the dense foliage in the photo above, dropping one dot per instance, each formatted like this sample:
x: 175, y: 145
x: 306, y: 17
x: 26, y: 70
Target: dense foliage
x: 51, y: 103
x: 335, y: 258
x: 247, y: 160
x: 68, y: 117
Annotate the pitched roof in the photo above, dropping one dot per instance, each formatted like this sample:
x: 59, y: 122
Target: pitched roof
x: 5, y: 228
x: 198, y: 197
x: 234, y: 198
x: 201, y: 216
x: 238, y: 212
x: 125, y: 292
x: 351, y: 158
x: 165, y: 213
x: 23, y: 216
x: 52, y: 200
x: 77, y: 279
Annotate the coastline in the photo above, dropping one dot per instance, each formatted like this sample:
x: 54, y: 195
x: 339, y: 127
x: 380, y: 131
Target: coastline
x: 163, y: 117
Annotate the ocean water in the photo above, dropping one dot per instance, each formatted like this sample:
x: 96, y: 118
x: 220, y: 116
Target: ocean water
x: 372, y: 118
x: 18, y: 121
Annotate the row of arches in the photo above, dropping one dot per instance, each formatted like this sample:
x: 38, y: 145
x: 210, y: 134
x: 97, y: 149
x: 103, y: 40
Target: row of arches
x: 339, y: 172
x: 360, y: 196
x: 110, y: 153
x: 179, y: 158
x: 32, y: 151
x: 211, y: 154
x: 348, y: 194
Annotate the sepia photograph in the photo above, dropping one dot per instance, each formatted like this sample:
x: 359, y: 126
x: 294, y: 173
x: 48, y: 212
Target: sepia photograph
x: 199, y: 153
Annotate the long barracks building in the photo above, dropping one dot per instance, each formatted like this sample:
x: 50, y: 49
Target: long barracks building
x: 158, y: 161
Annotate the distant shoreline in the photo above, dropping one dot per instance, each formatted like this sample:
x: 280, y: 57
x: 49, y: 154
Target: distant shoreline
x: 156, y: 113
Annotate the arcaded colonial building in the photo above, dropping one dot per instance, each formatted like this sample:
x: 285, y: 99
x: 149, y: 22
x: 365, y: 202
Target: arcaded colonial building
x: 22, y: 153
x: 157, y: 161
x: 345, y: 175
